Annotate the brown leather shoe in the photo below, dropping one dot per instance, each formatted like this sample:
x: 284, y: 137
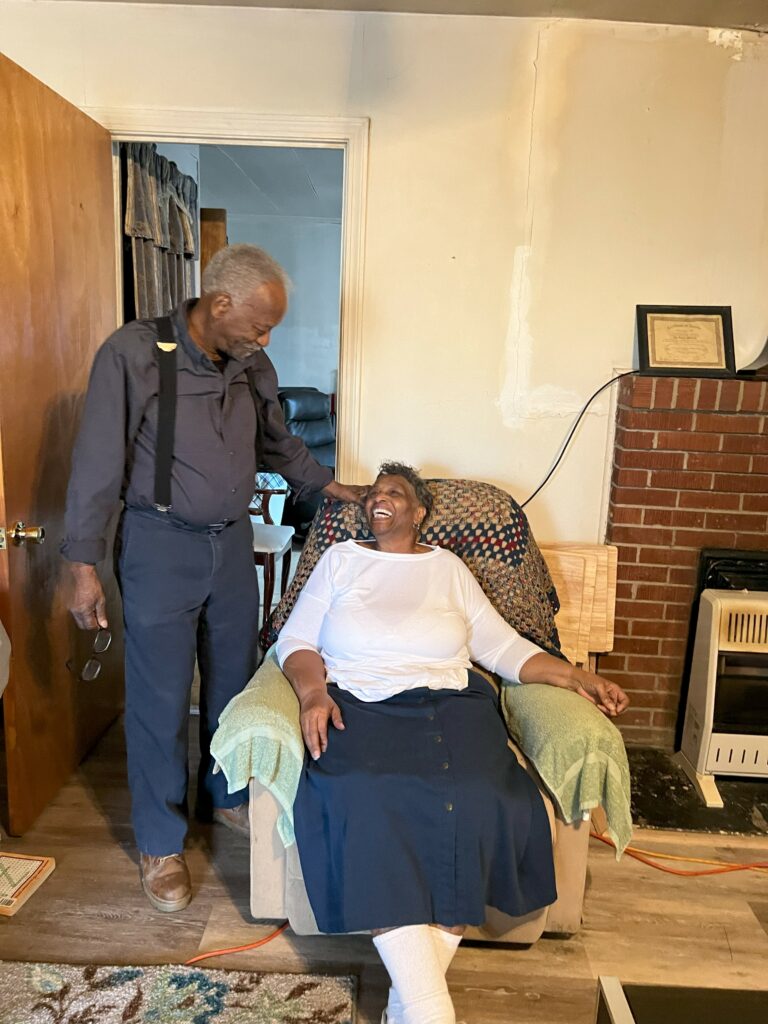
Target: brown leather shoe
x: 166, y: 881
x: 235, y: 818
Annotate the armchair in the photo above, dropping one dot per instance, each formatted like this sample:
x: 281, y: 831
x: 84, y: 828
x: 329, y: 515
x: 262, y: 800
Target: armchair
x: 488, y: 530
x: 307, y: 414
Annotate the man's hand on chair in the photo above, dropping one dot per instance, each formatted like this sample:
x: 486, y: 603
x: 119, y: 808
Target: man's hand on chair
x: 345, y: 492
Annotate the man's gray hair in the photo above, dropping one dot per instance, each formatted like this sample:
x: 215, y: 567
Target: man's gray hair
x: 238, y: 269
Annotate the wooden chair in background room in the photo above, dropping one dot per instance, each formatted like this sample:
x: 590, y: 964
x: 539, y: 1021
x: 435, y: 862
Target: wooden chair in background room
x: 270, y: 543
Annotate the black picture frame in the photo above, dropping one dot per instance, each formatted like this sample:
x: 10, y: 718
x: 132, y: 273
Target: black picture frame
x: 685, y: 341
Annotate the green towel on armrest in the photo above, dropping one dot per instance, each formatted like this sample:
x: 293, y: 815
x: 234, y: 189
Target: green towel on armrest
x: 577, y: 751
x: 259, y: 736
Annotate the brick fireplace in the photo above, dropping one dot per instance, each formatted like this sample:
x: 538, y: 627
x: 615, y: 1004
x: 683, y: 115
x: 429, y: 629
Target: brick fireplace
x: 690, y: 471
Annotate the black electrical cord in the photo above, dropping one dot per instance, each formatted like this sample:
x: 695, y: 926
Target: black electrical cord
x: 572, y: 431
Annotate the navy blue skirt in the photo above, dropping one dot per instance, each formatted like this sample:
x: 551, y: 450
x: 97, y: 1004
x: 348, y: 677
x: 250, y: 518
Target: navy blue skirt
x: 419, y: 813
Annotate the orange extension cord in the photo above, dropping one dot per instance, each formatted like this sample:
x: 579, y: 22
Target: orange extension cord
x: 648, y: 856
x: 645, y: 856
x: 238, y: 949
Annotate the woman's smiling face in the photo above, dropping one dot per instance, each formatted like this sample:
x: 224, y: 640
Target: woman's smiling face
x: 392, y: 508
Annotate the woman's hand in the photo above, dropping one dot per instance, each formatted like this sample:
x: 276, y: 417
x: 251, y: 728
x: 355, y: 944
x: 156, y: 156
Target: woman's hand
x: 607, y: 696
x: 315, y: 711
x: 306, y: 674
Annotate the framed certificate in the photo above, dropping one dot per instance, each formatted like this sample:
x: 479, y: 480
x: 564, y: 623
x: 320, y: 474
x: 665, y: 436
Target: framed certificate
x: 685, y: 341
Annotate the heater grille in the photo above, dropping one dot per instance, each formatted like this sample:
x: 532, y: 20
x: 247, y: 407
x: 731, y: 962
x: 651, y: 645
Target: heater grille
x: 744, y: 627
x: 737, y: 755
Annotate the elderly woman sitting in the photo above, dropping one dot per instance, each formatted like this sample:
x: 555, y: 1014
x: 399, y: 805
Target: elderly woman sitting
x: 412, y: 814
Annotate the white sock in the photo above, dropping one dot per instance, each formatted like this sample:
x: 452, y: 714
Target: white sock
x: 410, y: 955
x: 446, y: 944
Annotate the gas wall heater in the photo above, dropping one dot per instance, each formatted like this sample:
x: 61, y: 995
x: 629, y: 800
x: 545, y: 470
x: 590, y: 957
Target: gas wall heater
x: 726, y: 715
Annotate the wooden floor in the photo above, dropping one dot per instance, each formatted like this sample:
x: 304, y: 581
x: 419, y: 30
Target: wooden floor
x: 639, y: 924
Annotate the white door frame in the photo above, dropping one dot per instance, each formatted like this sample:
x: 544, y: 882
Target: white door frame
x: 232, y: 127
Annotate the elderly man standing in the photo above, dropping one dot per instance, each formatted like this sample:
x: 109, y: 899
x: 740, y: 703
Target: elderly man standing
x: 177, y: 414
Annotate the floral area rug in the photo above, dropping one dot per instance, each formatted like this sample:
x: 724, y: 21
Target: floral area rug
x: 33, y: 993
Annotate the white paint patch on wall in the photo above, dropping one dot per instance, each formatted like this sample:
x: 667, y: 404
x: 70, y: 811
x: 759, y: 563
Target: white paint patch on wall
x: 519, y: 400
x: 729, y: 39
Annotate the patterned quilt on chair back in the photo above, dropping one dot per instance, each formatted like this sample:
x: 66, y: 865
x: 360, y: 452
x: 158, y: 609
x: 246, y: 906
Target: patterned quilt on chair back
x: 481, y: 524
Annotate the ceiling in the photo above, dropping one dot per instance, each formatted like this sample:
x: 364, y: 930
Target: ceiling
x: 750, y: 14
x: 272, y: 181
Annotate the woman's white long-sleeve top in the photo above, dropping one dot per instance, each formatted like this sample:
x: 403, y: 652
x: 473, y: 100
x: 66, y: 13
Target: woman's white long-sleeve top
x: 384, y: 623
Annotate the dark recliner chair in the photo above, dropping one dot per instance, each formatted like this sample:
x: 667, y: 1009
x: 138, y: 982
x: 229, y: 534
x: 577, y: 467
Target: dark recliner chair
x: 307, y: 414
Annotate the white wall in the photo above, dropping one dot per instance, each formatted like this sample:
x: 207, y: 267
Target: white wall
x: 530, y: 182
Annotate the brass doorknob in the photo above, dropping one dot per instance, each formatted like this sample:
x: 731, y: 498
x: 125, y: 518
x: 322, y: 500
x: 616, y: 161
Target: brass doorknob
x: 22, y: 533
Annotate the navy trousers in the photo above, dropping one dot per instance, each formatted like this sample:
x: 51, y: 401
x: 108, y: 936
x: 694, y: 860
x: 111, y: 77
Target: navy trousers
x: 186, y: 592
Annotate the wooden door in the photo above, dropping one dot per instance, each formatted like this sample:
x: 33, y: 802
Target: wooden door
x: 58, y: 301
x: 213, y: 234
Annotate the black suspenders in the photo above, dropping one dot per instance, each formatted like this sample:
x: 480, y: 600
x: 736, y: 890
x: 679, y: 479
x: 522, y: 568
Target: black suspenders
x: 165, y: 351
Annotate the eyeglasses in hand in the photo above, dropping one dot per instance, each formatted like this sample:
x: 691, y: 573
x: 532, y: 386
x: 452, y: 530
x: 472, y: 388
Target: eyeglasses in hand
x: 92, y: 667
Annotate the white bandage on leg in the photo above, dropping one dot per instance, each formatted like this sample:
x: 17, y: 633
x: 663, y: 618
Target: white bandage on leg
x: 410, y: 955
x: 446, y: 944
x: 394, y: 1007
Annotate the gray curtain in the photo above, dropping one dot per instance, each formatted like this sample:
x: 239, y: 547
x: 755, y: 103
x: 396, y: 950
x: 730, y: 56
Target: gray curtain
x: 161, y: 221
